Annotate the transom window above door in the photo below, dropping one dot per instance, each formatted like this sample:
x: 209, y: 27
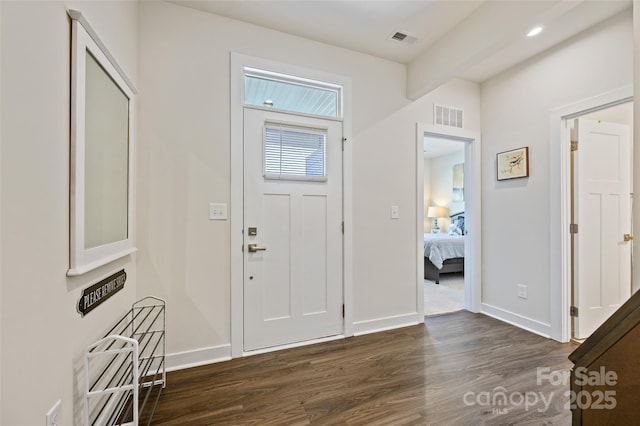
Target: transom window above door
x: 294, y: 94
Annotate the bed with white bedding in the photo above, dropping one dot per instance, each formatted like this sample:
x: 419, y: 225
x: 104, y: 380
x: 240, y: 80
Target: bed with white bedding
x: 444, y: 253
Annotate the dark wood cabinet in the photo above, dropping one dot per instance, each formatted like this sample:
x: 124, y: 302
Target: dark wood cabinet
x: 605, y: 379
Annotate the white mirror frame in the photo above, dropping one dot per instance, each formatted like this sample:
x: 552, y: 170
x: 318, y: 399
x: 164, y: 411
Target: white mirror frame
x: 83, y: 39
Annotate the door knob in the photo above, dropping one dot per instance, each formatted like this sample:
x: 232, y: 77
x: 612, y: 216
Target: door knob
x: 254, y: 248
x: 628, y: 237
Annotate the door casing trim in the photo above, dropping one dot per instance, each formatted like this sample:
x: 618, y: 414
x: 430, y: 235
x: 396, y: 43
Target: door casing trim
x: 560, y: 204
x: 473, y: 213
x: 237, y: 63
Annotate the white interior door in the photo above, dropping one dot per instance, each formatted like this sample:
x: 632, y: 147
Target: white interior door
x: 292, y: 228
x: 602, y: 280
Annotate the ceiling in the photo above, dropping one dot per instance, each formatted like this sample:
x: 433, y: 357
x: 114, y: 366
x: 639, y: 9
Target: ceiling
x: 490, y: 33
x: 437, y: 147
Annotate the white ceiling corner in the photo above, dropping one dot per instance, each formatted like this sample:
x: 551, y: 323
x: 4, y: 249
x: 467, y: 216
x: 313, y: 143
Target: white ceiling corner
x: 470, y: 39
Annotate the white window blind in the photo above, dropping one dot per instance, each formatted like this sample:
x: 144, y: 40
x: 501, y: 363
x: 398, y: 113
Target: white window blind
x: 294, y: 153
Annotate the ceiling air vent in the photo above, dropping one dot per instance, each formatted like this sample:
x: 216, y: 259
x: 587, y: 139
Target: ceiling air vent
x: 403, y: 38
x: 447, y: 116
x: 399, y: 36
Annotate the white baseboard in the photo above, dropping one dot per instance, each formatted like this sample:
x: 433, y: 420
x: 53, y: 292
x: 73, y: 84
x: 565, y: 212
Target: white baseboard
x: 518, y: 320
x: 382, y: 324
x: 293, y: 345
x: 213, y: 354
x: 198, y: 357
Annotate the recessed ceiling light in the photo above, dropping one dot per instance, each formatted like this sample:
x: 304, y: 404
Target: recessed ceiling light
x: 534, y: 32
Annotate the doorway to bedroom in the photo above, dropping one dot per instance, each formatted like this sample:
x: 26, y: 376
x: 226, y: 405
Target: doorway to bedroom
x: 469, y: 227
x: 444, y: 224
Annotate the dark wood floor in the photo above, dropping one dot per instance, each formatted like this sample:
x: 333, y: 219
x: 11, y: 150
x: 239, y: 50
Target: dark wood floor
x: 452, y: 370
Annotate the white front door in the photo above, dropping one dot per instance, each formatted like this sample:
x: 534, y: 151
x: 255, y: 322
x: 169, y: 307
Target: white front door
x: 602, y: 274
x: 292, y: 228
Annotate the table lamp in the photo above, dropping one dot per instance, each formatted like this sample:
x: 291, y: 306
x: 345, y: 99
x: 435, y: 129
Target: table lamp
x: 434, y: 212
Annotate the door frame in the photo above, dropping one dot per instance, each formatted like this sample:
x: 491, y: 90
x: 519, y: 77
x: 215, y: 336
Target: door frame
x: 473, y: 213
x: 590, y: 126
x: 560, y: 203
x: 236, y: 212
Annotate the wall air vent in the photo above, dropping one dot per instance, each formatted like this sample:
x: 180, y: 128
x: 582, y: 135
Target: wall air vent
x: 403, y: 38
x: 447, y: 116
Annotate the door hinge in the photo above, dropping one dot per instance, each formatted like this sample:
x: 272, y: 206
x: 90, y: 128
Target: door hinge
x: 574, y: 146
x: 343, y: 310
x: 573, y: 228
x: 573, y: 311
x: 344, y: 140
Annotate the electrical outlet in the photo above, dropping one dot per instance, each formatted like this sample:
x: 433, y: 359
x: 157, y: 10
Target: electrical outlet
x: 53, y: 416
x: 522, y: 291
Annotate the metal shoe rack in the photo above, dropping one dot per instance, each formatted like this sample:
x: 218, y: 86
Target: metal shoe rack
x: 125, y: 371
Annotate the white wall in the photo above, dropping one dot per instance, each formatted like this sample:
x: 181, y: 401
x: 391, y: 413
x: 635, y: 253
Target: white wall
x: 442, y: 185
x: 516, y: 214
x: 427, y: 193
x: 184, y: 164
x: 385, y: 174
x: 43, y: 337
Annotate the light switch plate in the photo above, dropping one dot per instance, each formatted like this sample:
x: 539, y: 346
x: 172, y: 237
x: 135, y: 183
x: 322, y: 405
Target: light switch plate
x: 217, y: 211
x: 395, y: 212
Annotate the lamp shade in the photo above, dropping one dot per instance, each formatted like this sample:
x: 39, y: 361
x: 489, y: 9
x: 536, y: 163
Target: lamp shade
x: 435, y: 212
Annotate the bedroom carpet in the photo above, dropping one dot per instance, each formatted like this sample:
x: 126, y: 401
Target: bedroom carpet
x: 448, y: 296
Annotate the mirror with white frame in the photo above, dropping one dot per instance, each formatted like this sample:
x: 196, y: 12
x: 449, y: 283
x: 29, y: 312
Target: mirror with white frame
x: 102, y: 115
